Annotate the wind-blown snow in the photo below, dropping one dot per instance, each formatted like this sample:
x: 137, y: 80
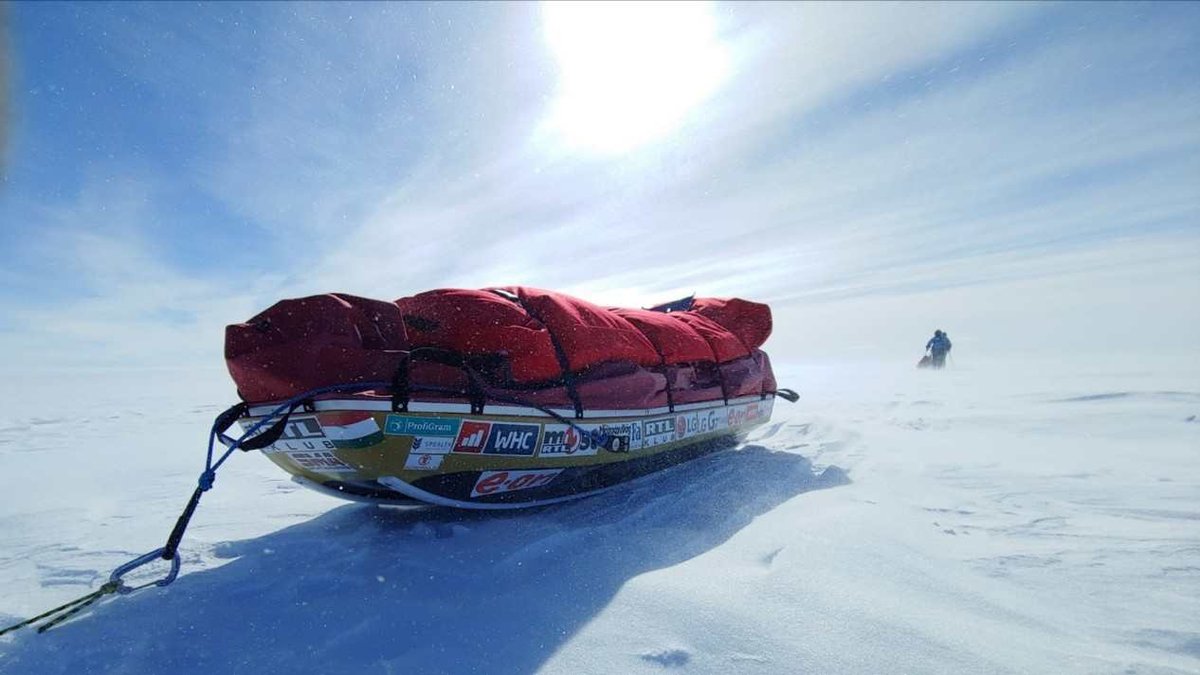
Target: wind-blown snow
x: 988, y: 518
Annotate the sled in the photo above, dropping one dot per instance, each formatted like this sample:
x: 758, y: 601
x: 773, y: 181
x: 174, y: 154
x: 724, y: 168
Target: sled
x: 498, y: 398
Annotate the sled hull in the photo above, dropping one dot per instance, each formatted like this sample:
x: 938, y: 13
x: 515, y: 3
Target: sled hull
x: 508, y: 458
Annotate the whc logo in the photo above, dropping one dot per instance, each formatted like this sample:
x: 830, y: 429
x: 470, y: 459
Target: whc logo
x: 513, y: 439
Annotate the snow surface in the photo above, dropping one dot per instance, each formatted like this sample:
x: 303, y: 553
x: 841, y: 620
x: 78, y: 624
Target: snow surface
x: 991, y: 518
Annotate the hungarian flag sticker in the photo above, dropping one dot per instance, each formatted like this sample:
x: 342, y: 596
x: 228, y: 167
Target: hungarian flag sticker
x: 351, y: 430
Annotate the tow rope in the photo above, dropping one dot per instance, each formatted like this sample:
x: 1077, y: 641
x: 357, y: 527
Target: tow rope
x: 67, y: 610
x: 258, y: 436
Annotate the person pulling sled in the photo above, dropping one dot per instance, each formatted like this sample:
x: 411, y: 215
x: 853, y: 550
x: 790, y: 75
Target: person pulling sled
x: 936, y: 350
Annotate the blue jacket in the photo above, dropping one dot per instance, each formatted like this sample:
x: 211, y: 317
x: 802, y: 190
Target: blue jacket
x: 939, y: 344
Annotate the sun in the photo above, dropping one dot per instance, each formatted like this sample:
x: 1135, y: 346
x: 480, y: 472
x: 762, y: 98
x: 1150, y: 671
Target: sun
x: 630, y: 72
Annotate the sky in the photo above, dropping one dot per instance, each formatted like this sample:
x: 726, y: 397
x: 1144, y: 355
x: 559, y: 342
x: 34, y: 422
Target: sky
x: 1021, y: 175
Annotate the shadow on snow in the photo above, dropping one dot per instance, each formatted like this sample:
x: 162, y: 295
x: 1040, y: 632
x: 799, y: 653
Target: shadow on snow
x: 367, y: 589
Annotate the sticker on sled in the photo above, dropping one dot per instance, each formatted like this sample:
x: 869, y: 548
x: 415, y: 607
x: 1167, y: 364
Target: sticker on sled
x: 496, y: 482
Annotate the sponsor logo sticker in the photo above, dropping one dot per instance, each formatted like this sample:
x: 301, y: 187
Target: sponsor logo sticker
x: 657, y: 432
x: 496, y: 482
x: 512, y: 439
x: 300, y: 434
x: 472, y: 436
x: 711, y: 420
x: 744, y: 414
x: 301, y: 428
x: 432, y: 444
x: 618, y: 443
x: 563, y: 440
x: 700, y: 422
x: 320, y: 461
x: 423, y: 461
x: 403, y: 425
x: 623, y: 436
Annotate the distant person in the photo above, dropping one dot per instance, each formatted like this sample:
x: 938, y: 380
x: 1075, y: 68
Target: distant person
x: 938, y: 347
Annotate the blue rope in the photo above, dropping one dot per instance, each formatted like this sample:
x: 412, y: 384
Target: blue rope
x: 204, y: 483
x: 210, y: 468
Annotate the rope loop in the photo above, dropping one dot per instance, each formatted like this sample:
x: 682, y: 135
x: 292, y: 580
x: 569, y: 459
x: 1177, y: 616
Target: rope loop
x: 787, y: 395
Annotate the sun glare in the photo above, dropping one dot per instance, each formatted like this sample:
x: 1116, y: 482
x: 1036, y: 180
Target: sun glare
x: 629, y: 72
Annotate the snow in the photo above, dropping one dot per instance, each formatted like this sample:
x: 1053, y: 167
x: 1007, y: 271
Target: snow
x: 990, y: 518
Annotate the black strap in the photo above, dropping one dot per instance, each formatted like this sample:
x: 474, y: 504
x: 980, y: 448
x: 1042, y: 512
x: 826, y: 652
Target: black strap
x: 669, y: 373
x: 402, y: 389
x: 272, y: 434
x: 261, y: 440
x: 227, y: 419
x: 564, y: 363
x: 721, y: 379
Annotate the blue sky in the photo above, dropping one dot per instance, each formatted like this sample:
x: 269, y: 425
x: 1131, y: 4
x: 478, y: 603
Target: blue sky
x: 175, y: 167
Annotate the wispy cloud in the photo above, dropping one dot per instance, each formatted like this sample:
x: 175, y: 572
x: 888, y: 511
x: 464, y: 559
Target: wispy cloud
x: 854, y: 151
x: 95, y: 289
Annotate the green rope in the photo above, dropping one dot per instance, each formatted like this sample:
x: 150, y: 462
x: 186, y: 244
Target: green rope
x: 67, y: 610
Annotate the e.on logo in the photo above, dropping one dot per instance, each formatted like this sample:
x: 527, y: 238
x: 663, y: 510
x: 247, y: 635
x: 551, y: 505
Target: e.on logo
x: 495, y: 482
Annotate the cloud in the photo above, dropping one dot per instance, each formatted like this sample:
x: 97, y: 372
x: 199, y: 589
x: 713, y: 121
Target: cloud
x: 94, y: 290
x: 350, y: 104
x: 860, y: 155
x: 974, y: 164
